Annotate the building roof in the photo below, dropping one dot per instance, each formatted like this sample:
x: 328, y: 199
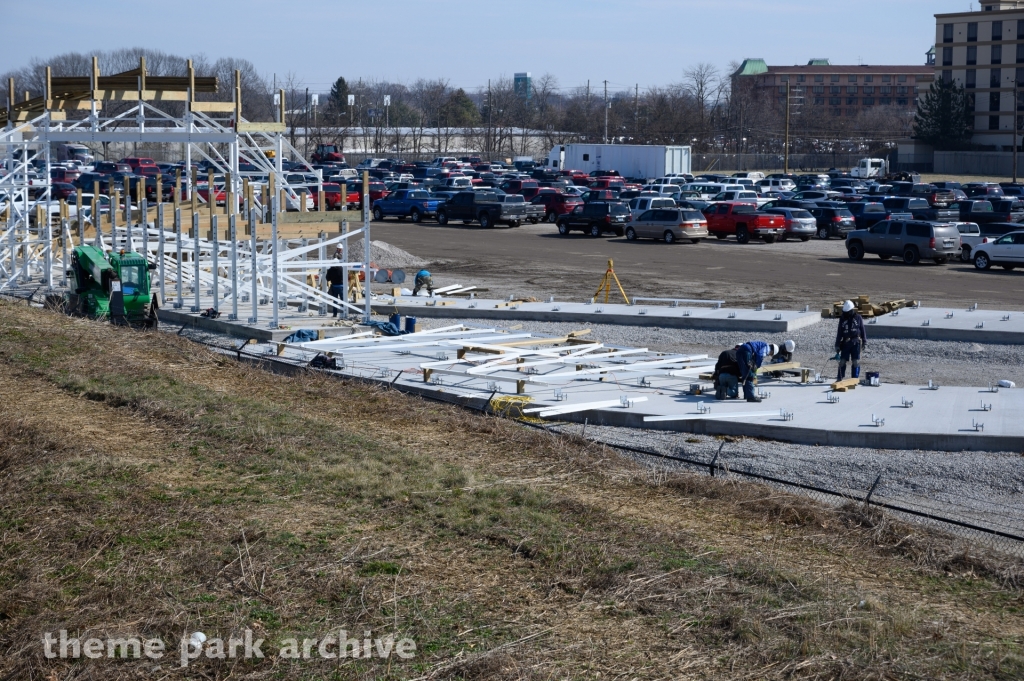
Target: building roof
x: 819, y: 62
x: 853, y: 68
x: 751, y: 67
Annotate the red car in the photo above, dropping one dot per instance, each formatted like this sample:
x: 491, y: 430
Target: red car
x: 63, y: 190
x: 556, y: 204
x: 202, y: 189
x: 745, y: 221
x: 578, y: 177
x: 378, y: 190
x: 607, y: 183
x: 332, y: 196
x: 135, y: 161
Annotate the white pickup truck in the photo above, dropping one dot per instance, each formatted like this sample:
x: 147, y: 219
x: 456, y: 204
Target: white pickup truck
x: 970, y: 237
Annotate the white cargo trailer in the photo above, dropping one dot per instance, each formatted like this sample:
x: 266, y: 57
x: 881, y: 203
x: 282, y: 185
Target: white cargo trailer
x: 637, y: 161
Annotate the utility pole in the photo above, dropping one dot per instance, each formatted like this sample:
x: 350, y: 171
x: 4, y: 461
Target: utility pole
x: 636, y: 112
x: 305, y: 137
x: 606, y: 112
x: 487, y: 135
x: 1015, y: 129
x: 786, y: 169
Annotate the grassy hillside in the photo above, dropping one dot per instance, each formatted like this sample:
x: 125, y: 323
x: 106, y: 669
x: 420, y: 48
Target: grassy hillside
x: 149, y: 488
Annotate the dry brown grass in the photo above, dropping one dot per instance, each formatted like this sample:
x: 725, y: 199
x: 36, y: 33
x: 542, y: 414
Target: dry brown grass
x: 149, y: 487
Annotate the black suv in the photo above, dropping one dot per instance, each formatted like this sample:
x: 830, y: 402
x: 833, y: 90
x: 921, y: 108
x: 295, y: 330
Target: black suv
x: 833, y: 221
x: 595, y: 219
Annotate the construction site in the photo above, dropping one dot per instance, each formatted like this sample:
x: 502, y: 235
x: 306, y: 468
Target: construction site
x: 526, y: 464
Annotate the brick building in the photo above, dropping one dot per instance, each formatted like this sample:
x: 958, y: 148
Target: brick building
x: 847, y: 91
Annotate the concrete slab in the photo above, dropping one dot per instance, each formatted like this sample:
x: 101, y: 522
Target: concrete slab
x: 977, y: 326
x: 290, y: 319
x: 682, y: 317
x: 946, y: 419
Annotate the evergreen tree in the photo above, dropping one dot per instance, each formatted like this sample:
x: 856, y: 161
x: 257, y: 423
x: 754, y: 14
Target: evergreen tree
x: 945, y: 116
x: 339, y: 95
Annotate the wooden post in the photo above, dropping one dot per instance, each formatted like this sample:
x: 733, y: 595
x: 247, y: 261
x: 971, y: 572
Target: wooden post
x: 177, y: 188
x: 48, y: 90
x: 78, y: 216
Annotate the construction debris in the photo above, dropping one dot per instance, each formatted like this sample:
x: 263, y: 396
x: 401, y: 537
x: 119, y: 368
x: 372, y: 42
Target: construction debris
x: 866, y: 308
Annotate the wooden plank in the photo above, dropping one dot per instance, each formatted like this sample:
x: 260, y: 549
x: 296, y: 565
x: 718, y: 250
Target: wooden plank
x: 461, y: 352
x: 781, y: 366
x: 260, y: 126
x: 844, y: 384
x: 213, y: 107
x: 73, y: 104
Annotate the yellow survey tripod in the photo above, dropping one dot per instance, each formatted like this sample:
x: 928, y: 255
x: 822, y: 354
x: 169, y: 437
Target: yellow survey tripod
x: 606, y: 284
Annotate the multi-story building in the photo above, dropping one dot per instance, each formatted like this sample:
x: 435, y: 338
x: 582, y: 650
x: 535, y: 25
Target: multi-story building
x: 820, y: 87
x: 984, y: 51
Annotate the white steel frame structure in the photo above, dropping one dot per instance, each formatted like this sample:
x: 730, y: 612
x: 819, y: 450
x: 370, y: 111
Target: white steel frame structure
x: 213, y: 131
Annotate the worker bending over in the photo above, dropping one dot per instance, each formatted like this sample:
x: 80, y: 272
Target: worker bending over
x: 750, y: 356
x: 783, y: 356
x: 423, y: 280
x: 726, y: 376
x: 850, y: 340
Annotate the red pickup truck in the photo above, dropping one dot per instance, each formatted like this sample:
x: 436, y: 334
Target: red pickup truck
x: 743, y: 220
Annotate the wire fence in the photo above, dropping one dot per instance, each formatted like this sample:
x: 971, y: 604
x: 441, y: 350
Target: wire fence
x: 987, y: 522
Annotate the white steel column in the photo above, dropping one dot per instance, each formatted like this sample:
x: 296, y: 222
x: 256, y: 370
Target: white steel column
x: 195, y: 256
x: 177, y: 245
x: 253, y: 253
x: 234, y: 266
x: 215, y: 239
x: 273, y: 261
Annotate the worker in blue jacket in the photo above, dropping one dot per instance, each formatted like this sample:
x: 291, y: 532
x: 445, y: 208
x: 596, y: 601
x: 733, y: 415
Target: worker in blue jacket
x: 751, y: 355
x: 423, y: 280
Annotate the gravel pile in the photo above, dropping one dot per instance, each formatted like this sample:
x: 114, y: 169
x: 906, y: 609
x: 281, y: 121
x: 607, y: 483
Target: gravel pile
x: 385, y: 255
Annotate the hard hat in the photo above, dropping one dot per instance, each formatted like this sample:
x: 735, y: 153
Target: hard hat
x: 774, y: 349
x: 847, y: 306
x: 789, y: 345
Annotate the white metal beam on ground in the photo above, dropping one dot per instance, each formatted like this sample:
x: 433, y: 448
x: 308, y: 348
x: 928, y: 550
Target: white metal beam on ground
x: 709, y: 415
x: 545, y: 412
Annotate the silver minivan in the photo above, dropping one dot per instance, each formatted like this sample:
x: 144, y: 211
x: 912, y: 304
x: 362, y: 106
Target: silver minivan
x: 670, y: 225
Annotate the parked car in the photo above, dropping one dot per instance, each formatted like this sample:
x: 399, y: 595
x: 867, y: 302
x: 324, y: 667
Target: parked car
x: 646, y: 202
x: 595, y: 218
x: 867, y: 213
x: 556, y: 204
x: 921, y: 209
x: 833, y: 221
x: 63, y: 190
x: 534, y: 213
x: 135, y: 162
x: 600, y: 195
x: 108, y: 167
x: 746, y: 196
x: 939, y: 198
x: 983, y: 190
x: 483, y: 207
x: 911, y: 240
x: 970, y: 236
x: 743, y: 220
x: 414, y: 204
x: 517, y: 186
x: 66, y: 175
x: 670, y: 225
x: 1007, y: 251
x: 799, y: 223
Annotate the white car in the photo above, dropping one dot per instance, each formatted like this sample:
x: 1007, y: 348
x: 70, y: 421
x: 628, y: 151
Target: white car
x: 970, y: 237
x: 644, y: 203
x: 663, y: 189
x: 1006, y: 251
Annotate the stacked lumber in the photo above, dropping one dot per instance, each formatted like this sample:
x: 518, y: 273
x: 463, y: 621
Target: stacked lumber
x: 866, y: 308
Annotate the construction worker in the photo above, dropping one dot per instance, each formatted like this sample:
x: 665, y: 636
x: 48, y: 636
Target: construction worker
x: 850, y: 340
x: 423, y: 280
x: 726, y: 376
x: 336, y: 278
x: 750, y: 356
x: 783, y: 356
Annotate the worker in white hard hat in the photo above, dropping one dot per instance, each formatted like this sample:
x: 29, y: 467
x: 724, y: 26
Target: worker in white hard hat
x: 750, y: 356
x: 850, y: 340
x: 783, y: 356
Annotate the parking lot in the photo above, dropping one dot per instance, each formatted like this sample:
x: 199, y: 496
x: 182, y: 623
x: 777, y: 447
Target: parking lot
x: 536, y: 260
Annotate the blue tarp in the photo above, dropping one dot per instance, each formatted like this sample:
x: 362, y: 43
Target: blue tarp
x: 301, y: 336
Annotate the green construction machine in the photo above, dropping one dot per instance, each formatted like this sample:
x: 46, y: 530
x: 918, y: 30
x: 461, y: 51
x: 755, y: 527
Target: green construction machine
x: 113, y: 286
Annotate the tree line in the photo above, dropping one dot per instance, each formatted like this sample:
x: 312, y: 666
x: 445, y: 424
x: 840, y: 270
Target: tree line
x: 431, y: 115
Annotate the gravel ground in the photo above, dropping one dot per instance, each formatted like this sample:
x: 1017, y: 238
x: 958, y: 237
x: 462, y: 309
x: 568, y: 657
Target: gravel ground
x: 984, y: 488
x: 897, y: 360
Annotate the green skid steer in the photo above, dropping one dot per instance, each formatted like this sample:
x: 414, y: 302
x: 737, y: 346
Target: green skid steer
x: 113, y: 286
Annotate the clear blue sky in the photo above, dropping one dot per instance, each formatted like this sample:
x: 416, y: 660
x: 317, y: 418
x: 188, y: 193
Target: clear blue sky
x: 649, y: 42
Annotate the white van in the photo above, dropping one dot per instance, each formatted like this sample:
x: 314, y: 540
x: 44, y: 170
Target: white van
x: 753, y: 177
x: 708, y: 190
x: 639, y: 204
x: 663, y: 189
x: 780, y: 185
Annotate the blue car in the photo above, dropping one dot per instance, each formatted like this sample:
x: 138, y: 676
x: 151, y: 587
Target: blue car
x: 414, y: 204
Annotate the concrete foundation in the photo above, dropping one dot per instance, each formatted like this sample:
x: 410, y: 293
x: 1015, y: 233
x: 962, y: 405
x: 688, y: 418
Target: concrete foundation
x: 934, y: 323
x: 682, y: 317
